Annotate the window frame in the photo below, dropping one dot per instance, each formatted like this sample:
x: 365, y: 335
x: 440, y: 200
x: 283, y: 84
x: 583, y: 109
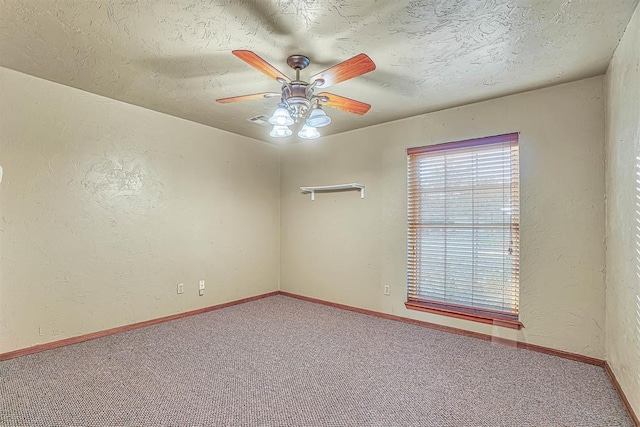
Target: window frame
x: 487, y: 316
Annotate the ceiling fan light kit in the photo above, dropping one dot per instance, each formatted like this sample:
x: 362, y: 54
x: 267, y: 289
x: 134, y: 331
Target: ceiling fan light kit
x: 280, y: 131
x: 298, y: 101
x: 318, y: 118
x: 281, y: 117
x: 308, y: 132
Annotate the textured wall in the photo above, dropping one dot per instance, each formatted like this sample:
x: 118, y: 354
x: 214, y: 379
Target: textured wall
x: 623, y: 213
x: 106, y: 206
x: 344, y: 249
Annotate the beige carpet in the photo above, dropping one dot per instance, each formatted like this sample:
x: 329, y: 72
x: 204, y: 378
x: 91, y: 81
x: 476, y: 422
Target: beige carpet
x: 284, y: 362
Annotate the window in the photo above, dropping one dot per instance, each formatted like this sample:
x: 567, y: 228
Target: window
x: 464, y: 229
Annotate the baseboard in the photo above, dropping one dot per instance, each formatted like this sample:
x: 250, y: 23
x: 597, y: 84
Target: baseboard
x: 485, y: 337
x: 125, y: 328
x: 623, y: 397
x: 559, y: 353
x: 526, y: 346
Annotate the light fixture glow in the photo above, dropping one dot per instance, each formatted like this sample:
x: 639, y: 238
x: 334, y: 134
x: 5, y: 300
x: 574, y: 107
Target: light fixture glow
x: 309, y: 132
x: 281, y: 117
x: 280, y: 132
x: 318, y: 118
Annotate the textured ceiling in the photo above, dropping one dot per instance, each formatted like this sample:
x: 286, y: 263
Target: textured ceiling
x: 174, y: 56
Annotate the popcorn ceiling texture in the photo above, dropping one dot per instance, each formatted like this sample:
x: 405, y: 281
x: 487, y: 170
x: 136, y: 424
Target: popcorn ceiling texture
x: 175, y: 56
x: 107, y: 206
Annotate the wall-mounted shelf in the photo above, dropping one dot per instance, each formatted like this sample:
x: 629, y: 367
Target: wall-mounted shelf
x: 339, y: 187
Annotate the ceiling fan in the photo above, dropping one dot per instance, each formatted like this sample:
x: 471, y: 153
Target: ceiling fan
x: 298, y: 101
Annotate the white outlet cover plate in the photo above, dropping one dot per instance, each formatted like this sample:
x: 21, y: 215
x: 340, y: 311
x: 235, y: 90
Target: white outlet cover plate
x: 201, y: 285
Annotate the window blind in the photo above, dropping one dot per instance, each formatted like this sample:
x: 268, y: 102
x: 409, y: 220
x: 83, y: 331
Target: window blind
x: 464, y: 226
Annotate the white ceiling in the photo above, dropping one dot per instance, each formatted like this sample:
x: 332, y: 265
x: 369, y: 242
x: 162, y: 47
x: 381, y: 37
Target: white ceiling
x: 174, y: 56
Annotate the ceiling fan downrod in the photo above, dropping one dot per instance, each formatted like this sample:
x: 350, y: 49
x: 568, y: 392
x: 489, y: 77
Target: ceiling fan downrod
x: 298, y: 94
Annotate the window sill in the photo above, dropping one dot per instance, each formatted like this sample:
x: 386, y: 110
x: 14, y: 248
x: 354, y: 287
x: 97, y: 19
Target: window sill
x: 458, y: 313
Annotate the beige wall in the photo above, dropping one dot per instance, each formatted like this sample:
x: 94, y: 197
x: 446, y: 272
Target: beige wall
x: 107, y: 206
x: 623, y: 213
x: 343, y: 249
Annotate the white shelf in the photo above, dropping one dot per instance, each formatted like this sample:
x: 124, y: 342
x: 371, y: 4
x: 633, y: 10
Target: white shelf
x: 352, y: 186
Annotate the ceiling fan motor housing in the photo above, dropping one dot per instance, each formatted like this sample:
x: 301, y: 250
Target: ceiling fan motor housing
x: 295, y: 96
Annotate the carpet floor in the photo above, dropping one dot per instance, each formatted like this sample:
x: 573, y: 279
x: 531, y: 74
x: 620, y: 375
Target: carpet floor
x: 280, y: 361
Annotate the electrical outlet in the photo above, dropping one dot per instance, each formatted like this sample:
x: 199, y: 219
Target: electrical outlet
x: 180, y: 288
x: 201, y: 288
x: 387, y: 290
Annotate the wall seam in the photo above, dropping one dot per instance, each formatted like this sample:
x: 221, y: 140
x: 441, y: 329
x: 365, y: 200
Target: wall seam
x: 280, y: 219
x: 605, y: 160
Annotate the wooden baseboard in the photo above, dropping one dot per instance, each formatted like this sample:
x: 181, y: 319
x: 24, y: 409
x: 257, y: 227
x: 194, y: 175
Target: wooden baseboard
x: 125, y: 328
x: 526, y: 346
x: 485, y: 337
x: 623, y: 397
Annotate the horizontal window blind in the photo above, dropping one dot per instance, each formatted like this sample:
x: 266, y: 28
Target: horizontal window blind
x: 464, y: 225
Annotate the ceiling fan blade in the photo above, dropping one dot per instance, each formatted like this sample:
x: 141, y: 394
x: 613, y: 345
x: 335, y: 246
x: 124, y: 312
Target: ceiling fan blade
x: 248, y: 97
x: 260, y: 64
x: 345, y: 104
x: 354, y: 67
